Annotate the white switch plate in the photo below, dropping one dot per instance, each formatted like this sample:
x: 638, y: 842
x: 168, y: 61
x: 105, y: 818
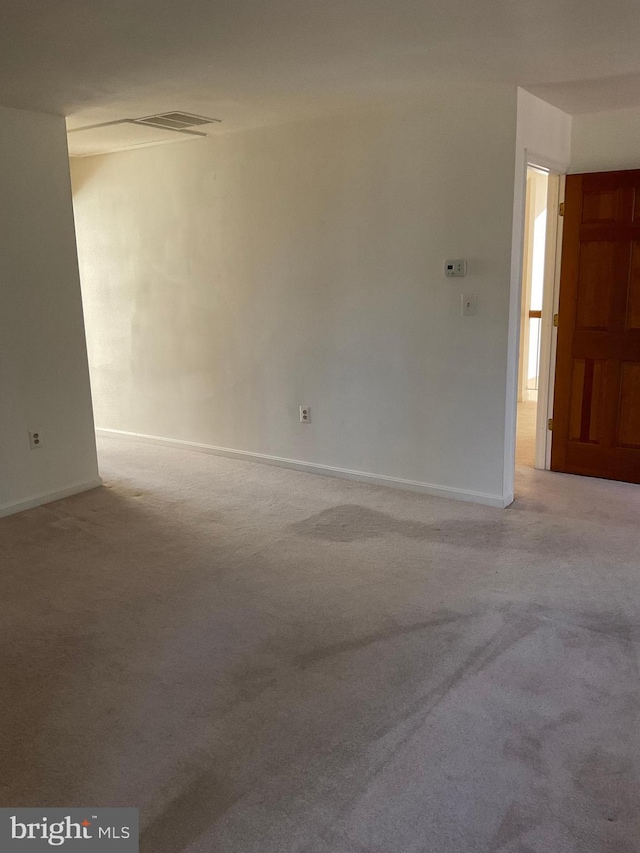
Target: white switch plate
x: 305, y: 414
x: 469, y: 304
x: 456, y: 268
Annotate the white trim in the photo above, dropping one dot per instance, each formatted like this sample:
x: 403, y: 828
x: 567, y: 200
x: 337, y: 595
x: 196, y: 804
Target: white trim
x: 314, y: 468
x: 524, y: 157
x: 546, y: 369
x: 513, y: 334
x: 525, y: 298
x: 554, y: 337
x: 48, y: 497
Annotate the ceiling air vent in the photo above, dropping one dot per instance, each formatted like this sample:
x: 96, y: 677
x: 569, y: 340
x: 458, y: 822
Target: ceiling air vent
x: 175, y: 121
x: 123, y: 133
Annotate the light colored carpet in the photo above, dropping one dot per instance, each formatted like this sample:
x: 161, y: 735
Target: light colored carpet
x: 267, y: 661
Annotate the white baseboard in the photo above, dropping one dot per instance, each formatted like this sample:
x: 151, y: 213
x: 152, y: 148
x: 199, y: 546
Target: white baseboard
x: 48, y: 497
x: 314, y: 468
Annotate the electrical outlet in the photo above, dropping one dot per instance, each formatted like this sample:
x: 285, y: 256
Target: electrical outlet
x: 35, y: 438
x: 305, y: 414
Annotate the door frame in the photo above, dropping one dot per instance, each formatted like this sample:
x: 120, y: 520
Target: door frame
x: 527, y: 267
x: 548, y: 333
x: 553, y: 245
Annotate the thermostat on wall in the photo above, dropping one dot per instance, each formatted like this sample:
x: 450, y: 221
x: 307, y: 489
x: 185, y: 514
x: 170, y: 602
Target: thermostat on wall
x: 455, y: 269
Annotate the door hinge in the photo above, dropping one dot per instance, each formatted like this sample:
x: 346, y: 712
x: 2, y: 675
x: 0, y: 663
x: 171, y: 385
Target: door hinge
x: 561, y: 209
x: 550, y: 423
x: 555, y: 320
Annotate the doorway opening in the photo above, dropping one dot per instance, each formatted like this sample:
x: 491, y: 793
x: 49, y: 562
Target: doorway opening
x: 538, y: 305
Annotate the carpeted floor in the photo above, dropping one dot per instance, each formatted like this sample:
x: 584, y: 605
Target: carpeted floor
x: 267, y: 661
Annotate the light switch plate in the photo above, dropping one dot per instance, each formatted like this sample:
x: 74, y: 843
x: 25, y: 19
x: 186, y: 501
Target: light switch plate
x: 469, y: 304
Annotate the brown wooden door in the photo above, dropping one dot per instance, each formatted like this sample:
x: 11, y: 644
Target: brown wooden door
x: 596, y: 413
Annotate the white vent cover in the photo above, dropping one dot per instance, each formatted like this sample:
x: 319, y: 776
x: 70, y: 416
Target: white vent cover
x: 175, y: 120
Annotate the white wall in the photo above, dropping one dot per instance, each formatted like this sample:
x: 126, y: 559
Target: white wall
x: 544, y: 132
x: 44, y: 381
x: 543, y: 138
x: 606, y: 141
x: 227, y: 282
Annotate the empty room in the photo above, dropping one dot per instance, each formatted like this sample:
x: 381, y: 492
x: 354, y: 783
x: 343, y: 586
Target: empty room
x: 320, y: 427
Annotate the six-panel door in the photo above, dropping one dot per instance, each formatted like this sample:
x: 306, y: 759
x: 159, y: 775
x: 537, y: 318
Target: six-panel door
x: 596, y: 414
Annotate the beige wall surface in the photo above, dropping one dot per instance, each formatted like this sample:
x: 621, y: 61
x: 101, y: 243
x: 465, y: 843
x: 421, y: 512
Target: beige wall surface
x: 544, y: 132
x: 606, y: 141
x: 227, y: 282
x: 44, y: 382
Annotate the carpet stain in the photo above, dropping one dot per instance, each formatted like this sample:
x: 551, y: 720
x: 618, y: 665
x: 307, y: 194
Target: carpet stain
x: 188, y: 815
x: 518, y: 821
x: 485, y: 654
x: 610, y: 623
x: 604, y: 777
x: 251, y: 681
x: 353, y: 523
x: 356, y: 523
x: 527, y: 747
x: 318, y: 655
